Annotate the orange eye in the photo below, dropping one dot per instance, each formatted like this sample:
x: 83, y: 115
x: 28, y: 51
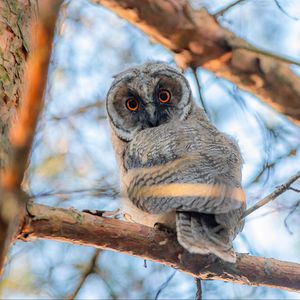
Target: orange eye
x: 132, y: 104
x: 164, y: 96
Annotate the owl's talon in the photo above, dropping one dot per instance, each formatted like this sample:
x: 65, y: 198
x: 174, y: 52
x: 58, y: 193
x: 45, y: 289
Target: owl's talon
x: 163, y: 227
x: 94, y: 212
x: 128, y: 218
x: 103, y: 213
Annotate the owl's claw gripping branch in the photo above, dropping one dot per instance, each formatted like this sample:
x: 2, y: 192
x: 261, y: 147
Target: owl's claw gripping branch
x: 164, y: 228
x: 104, y: 213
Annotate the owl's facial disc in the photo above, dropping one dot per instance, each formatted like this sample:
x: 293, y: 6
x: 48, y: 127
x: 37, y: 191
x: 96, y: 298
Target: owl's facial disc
x: 147, y: 97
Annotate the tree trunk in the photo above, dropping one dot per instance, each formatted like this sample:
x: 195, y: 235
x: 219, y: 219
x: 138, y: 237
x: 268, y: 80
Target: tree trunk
x: 14, y: 39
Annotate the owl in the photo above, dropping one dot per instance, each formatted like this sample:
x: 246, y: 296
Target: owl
x: 176, y: 168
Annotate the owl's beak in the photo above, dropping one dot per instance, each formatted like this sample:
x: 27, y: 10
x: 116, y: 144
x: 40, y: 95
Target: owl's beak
x: 152, y: 116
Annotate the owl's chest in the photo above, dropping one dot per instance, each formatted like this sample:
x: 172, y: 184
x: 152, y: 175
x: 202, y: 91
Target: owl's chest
x: 161, y: 145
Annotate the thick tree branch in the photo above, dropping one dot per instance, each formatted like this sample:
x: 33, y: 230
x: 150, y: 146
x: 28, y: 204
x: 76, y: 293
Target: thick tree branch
x: 198, y: 40
x: 69, y: 225
x: 12, y: 201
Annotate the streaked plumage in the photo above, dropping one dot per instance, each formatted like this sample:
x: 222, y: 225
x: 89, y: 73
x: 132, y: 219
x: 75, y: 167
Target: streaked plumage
x: 176, y: 168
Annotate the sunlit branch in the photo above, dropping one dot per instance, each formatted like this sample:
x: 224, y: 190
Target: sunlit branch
x: 69, y: 225
x: 22, y: 133
x: 197, y: 39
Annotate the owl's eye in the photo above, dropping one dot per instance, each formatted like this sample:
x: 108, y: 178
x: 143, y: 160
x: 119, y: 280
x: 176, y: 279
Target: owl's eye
x: 132, y: 104
x: 164, y: 96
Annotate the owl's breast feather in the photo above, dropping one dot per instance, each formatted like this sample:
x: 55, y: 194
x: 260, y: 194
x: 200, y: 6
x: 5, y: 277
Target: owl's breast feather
x: 160, y: 145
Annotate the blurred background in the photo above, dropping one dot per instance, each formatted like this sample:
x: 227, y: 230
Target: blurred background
x: 73, y: 165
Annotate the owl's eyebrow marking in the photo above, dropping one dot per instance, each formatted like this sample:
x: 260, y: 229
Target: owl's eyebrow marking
x: 126, y: 78
x: 131, y: 92
x: 164, y: 74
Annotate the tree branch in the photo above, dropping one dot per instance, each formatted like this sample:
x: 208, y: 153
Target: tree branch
x: 281, y: 189
x: 198, y: 289
x: 69, y: 225
x: 197, y: 39
x: 227, y: 8
x: 12, y: 201
x: 89, y: 269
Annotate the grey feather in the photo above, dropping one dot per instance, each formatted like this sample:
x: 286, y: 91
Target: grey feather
x: 179, y: 151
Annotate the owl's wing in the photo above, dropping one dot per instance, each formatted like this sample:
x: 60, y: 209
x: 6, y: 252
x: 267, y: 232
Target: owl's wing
x: 192, y: 169
x: 184, y: 166
x: 192, y: 183
x: 184, y: 169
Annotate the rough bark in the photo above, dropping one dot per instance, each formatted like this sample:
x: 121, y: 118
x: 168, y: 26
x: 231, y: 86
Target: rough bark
x: 16, y: 142
x: 197, y: 39
x: 15, y: 18
x: 69, y: 225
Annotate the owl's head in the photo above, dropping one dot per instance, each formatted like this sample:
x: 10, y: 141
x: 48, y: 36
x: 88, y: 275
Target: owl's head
x: 147, y: 96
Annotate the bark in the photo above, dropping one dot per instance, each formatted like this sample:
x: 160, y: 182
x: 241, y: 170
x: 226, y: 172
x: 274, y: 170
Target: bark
x: 69, y: 225
x: 15, y: 19
x: 198, y: 40
x: 16, y: 142
x: 14, y: 39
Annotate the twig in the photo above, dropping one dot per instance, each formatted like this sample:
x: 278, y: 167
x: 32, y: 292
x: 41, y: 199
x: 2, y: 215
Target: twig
x: 295, y: 190
x: 225, y: 9
x: 281, y: 189
x: 97, y: 191
x: 164, y: 285
x: 289, y: 214
x: 271, y: 165
x: 83, y: 109
x: 194, y: 70
x: 284, y: 11
x: 90, y: 269
x: 102, y: 275
x: 198, y: 289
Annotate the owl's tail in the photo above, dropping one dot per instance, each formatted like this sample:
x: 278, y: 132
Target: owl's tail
x: 200, y: 233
